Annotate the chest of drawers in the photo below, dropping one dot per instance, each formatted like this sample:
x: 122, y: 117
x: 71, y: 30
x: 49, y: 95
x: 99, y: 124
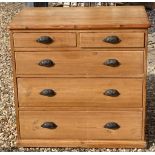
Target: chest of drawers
x: 79, y: 76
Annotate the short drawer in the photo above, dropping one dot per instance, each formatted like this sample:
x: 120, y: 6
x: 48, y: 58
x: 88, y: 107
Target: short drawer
x: 96, y: 125
x: 83, y: 92
x: 113, y: 39
x: 37, y: 40
x: 88, y: 63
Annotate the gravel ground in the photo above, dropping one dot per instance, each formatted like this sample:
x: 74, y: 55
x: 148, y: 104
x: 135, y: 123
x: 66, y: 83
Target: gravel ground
x: 7, y: 109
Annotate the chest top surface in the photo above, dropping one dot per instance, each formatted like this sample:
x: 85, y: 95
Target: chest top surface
x: 81, y: 18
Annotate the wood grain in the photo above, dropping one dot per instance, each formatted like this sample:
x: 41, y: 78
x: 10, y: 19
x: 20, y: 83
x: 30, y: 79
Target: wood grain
x: 29, y: 40
x: 79, y: 77
x: 96, y: 39
x: 78, y: 32
x: 15, y: 87
x: 81, y: 18
x: 81, y: 63
x: 87, y: 125
x: 80, y: 108
x: 82, y: 92
x: 144, y: 86
x: 82, y: 143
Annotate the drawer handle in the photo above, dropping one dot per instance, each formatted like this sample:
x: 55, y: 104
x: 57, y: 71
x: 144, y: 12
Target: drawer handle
x: 112, y: 125
x: 112, y: 63
x: 44, y: 40
x: 112, y: 93
x: 46, y: 63
x: 112, y: 39
x: 49, y: 125
x: 48, y: 92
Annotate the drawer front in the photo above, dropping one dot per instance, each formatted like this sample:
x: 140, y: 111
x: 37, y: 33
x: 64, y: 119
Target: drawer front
x: 75, y: 92
x: 37, y: 40
x: 99, y: 125
x: 112, y: 63
x: 114, y: 39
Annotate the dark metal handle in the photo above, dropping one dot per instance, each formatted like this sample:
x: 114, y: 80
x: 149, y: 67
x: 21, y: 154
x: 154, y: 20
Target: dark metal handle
x: 112, y: 62
x: 46, y: 63
x: 112, y: 125
x: 44, y: 40
x: 48, y: 92
x: 112, y: 93
x: 112, y: 39
x: 49, y: 125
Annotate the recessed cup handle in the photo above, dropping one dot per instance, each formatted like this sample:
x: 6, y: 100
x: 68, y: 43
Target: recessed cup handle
x: 46, y: 63
x: 112, y: 39
x: 112, y: 125
x: 112, y: 92
x: 48, y: 92
x: 112, y: 62
x: 45, y: 40
x: 49, y: 125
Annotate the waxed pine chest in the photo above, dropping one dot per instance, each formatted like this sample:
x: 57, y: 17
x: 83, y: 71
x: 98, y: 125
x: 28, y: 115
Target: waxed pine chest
x: 80, y: 76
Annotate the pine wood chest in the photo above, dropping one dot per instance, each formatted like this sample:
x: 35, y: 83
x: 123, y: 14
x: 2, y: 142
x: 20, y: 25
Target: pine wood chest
x: 80, y: 76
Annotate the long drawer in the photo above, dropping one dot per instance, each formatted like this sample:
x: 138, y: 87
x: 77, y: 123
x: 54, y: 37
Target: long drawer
x: 74, y: 92
x: 91, y: 63
x: 44, y: 40
x: 96, y: 125
x: 112, y: 39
